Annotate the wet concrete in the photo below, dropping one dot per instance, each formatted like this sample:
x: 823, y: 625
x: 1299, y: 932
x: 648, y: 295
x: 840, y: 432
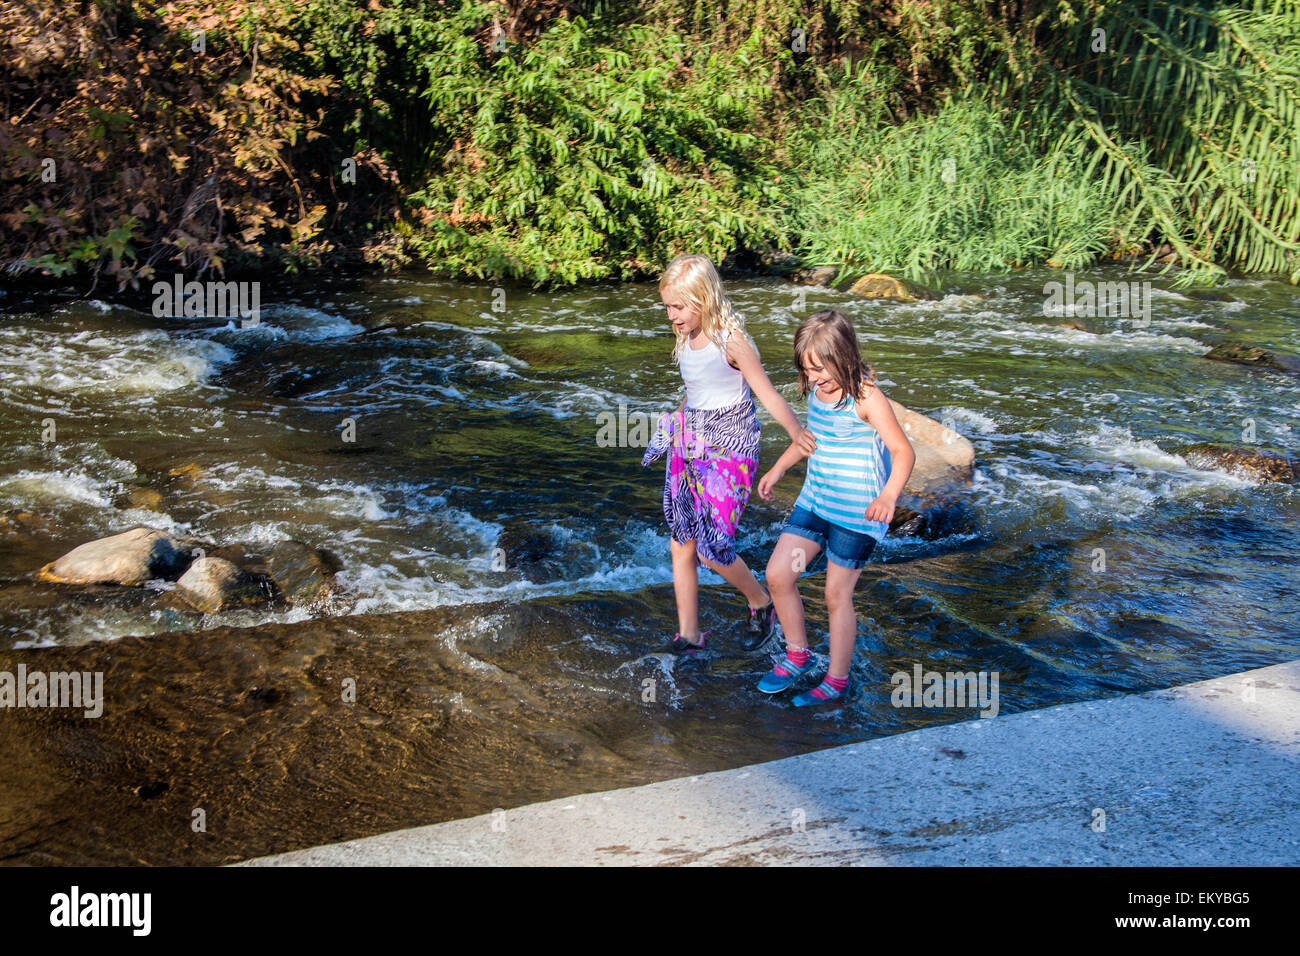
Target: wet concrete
x: 1202, y: 774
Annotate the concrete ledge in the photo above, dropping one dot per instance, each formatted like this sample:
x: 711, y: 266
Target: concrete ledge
x: 1203, y: 774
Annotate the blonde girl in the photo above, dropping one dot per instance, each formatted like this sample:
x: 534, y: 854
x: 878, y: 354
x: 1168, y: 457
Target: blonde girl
x: 713, y: 440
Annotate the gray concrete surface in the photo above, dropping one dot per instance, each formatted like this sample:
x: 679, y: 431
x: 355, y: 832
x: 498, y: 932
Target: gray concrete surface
x: 1203, y: 774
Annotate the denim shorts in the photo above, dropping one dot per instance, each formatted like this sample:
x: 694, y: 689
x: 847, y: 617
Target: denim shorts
x: 848, y: 549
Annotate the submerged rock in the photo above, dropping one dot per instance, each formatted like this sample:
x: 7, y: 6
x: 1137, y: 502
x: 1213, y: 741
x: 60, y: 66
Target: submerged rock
x: 1254, y: 356
x: 136, y: 496
x: 215, y: 584
x: 877, y: 286
x: 301, y: 573
x: 1212, y: 296
x: 1258, y: 465
x: 131, y: 557
x: 534, y: 551
x: 17, y: 521
x: 187, y: 473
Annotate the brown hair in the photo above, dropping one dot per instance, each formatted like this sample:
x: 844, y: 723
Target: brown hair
x: 694, y: 279
x: 830, y: 337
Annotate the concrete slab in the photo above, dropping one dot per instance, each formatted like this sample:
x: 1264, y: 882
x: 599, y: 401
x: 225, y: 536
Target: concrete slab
x: 1203, y: 774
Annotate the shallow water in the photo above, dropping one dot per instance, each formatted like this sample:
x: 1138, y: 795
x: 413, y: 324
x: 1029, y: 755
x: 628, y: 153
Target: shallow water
x: 476, y: 475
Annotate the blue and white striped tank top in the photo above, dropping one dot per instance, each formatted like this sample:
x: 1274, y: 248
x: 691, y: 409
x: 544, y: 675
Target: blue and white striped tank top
x: 847, y: 471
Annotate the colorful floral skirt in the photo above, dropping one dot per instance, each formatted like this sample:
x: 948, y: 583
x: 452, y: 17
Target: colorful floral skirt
x: 708, y: 474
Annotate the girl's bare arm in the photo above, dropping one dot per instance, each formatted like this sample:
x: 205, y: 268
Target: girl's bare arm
x: 874, y: 408
x: 743, y: 356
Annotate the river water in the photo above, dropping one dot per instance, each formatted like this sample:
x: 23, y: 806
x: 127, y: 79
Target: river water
x: 444, y: 441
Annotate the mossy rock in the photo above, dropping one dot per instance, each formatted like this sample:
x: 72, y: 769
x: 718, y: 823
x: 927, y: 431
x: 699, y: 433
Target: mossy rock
x: 1254, y: 356
x: 891, y: 288
x: 1249, y: 462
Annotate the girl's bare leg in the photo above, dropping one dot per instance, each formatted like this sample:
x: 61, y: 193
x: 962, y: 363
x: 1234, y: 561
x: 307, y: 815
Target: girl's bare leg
x: 790, y: 557
x: 738, y: 574
x: 686, y: 586
x: 840, y: 582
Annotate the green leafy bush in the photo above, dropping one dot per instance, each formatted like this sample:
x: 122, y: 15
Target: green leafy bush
x: 593, y: 153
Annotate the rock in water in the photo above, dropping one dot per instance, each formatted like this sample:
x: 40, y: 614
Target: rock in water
x: 937, y: 518
x: 888, y: 287
x: 302, y: 574
x: 215, y: 584
x: 134, y: 496
x: 944, y: 459
x: 238, y: 555
x: 908, y: 523
x: 534, y: 552
x: 1259, y: 465
x: 1254, y: 356
x: 16, y: 521
x: 933, y: 503
x: 131, y: 557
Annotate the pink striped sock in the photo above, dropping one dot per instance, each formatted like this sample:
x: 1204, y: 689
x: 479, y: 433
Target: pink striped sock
x: 836, y: 684
x: 796, y: 656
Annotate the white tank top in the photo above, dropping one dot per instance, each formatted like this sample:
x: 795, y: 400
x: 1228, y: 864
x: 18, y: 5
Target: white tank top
x: 710, y: 381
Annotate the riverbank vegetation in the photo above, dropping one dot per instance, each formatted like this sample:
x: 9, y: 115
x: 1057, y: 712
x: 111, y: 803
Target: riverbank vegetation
x: 556, y: 142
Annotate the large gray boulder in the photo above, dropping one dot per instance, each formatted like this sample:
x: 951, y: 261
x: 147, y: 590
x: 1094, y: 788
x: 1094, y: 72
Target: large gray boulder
x: 131, y: 557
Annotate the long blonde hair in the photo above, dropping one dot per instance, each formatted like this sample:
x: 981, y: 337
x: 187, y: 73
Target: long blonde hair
x: 694, y: 280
